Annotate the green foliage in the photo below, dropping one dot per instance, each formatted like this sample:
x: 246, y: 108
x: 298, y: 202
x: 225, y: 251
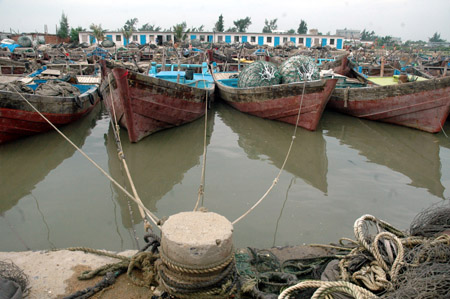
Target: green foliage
x: 231, y: 29
x: 148, y: 27
x: 219, y: 27
x: 130, y: 25
x: 368, y: 36
x: 302, y: 27
x: 242, y: 24
x: 436, y: 38
x: 180, y: 31
x: 63, y: 30
x: 270, y: 26
x: 291, y: 31
x: 74, y: 34
x: 199, y: 29
x: 98, y: 32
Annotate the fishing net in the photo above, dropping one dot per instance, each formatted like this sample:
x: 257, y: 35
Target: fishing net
x: 260, y: 73
x: 16, y: 86
x: 431, y: 221
x: 299, y: 68
x: 107, y: 43
x: 24, y: 41
x: 57, y: 88
x: 11, y: 272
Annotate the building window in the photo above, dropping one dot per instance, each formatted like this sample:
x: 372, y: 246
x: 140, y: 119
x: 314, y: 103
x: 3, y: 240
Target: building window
x: 118, y: 38
x: 150, y: 38
x: 135, y: 38
x: 316, y: 41
x: 220, y: 38
x: 284, y: 39
x: 236, y: 38
x: 168, y: 38
x: 300, y: 40
x: 202, y: 38
x: 253, y: 39
x: 331, y: 41
x: 269, y: 39
x: 84, y: 38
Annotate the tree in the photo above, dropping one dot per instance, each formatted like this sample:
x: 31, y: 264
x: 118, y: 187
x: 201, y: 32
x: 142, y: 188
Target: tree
x: 436, y: 38
x: 270, y: 26
x: 291, y: 31
x: 63, y: 30
x: 74, y: 34
x: 369, y: 36
x: 97, y: 31
x: 231, y: 29
x: 199, y: 29
x: 219, y: 25
x: 148, y: 27
x: 302, y: 28
x: 130, y: 25
x: 180, y: 31
x: 242, y: 24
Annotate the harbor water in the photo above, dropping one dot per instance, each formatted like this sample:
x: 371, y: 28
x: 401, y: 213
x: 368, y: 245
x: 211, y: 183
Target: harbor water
x: 52, y: 197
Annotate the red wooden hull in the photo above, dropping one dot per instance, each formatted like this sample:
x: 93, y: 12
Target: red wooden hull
x: 422, y: 105
x: 282, y: 102
x: 18, y: 119
x: 144, y: 105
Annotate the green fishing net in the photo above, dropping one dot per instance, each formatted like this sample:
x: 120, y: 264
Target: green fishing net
x: 299, y: 68
x: 260, y: 73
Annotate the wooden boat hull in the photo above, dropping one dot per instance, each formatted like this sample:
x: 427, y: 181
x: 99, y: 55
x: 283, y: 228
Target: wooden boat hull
x: 422, y: 105
x: 18, y: 119
x: 282, y: 102
x: 144, y: 105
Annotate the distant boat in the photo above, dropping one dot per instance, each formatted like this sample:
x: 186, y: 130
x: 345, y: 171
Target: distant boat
x: 145, y: 104
x: 419, y: 103
x: 18, y: 119
x: 278, y: 102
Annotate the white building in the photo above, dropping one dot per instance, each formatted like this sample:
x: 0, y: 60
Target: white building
x: 270, y: 39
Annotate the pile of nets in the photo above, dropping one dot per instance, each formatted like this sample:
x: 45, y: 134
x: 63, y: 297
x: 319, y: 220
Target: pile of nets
x: 260, y: 73
x: 24, y: 41
x: 108, y: 43
x: 57, y: 88
x: 13, y: 281
x: 299, y: 68
x: 295, y: 69
x: 16, y: 86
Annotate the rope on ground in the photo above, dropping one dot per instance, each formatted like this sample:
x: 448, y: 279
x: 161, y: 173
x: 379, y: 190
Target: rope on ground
x: 325, y: 288
x: 153, y: 217
x: 275, y: 181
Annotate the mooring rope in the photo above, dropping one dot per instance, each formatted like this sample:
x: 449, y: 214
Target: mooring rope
x: 201, y: 188
x: 153, y: 217
x: 275, y: 181
x: 121, y: 155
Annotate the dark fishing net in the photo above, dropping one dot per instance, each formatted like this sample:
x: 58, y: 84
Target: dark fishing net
x: 260, y: 73
x: 431, y: 221
x: 16, y: 86
x: 57, y: 88
x: 10, y: 271
x: 299, y: 68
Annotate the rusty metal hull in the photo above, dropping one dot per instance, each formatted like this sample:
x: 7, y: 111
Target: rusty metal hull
x: 18, y: 119
x: 144, y: 105
x: 282, y: 102
x: 422, y: 105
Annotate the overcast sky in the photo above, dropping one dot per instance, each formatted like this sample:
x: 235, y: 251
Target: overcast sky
x: 408, y: 19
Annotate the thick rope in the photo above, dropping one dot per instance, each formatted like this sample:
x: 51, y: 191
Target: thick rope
x: 325, y: 288
x: 154, y: 218
x: 275, y: 181
x: 124, y: 162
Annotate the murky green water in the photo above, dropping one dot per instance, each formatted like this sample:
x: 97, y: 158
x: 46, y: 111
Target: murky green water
x: 52, y: 197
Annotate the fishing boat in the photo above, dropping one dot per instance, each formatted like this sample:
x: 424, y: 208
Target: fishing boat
x: 147, y: 103
x: 18, y: 119
x: 400, y: 99
x: 278, y: 102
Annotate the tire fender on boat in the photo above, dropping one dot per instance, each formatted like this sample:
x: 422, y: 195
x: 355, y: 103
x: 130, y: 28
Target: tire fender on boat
x: 91, y: 98
x: 99, y: 93
x: 77, y: 101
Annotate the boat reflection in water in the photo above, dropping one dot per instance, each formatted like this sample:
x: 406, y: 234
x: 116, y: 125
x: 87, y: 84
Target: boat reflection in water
x: 26, y: 162
x: 410, y: 152
x: 260, y: 137
x: 156, y: 164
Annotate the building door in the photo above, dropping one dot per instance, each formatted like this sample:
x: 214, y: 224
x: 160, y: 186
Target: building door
x: 308, y: 42
x: 276, y: 41
x: 260, y: 40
